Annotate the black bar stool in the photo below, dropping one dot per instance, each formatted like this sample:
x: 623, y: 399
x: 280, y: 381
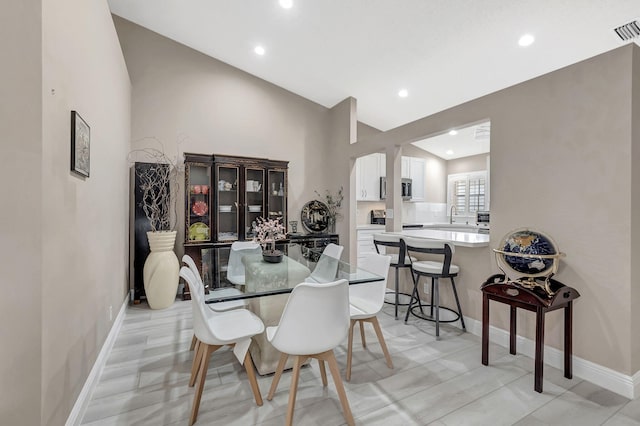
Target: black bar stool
x: 434, y: 270
x: 398, y: 261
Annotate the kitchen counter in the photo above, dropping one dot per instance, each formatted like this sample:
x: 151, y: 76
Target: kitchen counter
x: 461, y: 239
x: 380, y: 228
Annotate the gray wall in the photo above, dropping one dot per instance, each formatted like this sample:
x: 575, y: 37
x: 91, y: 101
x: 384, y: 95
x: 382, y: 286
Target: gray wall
x: 64, y: 237
x: 20, y: 212
x: 561, y: 162
x: 180, y: 94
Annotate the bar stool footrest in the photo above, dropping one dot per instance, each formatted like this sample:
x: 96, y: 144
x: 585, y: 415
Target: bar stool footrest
x: 429, y: 318
x: 393, y: 294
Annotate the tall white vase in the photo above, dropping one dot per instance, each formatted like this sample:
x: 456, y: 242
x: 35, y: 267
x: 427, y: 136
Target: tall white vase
x: 161, y: 270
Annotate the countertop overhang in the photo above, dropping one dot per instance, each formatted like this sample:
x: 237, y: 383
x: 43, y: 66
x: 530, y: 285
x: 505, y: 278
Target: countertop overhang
x: 459, y: 239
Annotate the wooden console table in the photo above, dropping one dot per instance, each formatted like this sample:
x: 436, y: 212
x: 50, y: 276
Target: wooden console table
x: 535, y: 300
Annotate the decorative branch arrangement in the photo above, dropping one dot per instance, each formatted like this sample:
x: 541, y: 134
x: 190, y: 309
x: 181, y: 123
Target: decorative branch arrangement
x: 159, y: 185
x: 333, y: 202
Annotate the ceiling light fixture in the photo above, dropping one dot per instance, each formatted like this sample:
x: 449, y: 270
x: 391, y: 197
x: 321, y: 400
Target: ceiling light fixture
x: 286, y: 4
x: 259, y: 50
x: 526, y: 40
x: 403, y: 93
x: 449, y: 152
x: 453, y: 132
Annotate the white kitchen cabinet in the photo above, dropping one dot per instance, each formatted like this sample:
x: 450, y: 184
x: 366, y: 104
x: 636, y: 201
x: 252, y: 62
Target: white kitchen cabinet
x: 414, y: 168
x: 368, y: 172
x: 405, y: 169
x: 417, y: 174
x: 365, y: 242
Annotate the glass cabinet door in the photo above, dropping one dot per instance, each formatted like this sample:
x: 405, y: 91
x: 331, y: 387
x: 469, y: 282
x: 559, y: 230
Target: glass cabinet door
x: 277, y: 196
x: 198, y: 217
x: 254, y: 200
x: 228, y: 205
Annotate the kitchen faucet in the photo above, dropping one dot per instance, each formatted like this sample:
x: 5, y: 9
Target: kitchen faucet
x: 453, y: 209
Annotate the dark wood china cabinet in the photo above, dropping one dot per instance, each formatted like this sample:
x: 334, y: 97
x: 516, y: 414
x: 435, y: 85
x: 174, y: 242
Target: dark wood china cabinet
x: 224, y: 197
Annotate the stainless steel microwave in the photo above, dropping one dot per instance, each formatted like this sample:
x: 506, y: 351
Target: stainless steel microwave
x: 405, y: 188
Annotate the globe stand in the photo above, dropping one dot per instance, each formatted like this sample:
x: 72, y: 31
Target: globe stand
x: 532, y: 255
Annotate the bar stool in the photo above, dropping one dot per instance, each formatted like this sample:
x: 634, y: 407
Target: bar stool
x: 434, y: 270
x: 398, y: 261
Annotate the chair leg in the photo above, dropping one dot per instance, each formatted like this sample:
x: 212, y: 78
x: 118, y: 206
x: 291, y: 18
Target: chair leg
x: 385, y: 350
x: 294, y: 387
x: 335, y: 372
x: 350, y: 350
x: 455, y: 293
x: 248, y: 365
x: 277, y: 375
x: 436, y: 295
x: 397, y: 291
x: 193, y: 343
x: 323, y: 372
x: 204, y: 366
x: 432, y: 297
x: 197, y: 357
x: 414, y: 295
x: 364, y: 341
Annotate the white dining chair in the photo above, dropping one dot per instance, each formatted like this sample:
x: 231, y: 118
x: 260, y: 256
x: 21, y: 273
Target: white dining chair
x: 222, y: 292
x: 366, y: 301
x: 235, y: 268
x: 327, y: 266
x: 214, y: 330
x: 315, y: 320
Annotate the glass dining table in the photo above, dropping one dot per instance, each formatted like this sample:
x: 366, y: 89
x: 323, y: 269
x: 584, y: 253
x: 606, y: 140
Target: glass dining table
x: 299, y: 264
x: 267, y: 285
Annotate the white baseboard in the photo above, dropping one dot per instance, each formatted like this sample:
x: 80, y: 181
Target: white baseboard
x: 75, y: 417
x: 622, y: 384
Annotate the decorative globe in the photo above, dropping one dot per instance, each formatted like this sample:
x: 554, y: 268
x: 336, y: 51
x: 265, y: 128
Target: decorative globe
x: 535, y: 254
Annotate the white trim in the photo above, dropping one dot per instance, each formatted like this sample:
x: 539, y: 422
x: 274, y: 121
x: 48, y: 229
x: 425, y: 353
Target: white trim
x: 75, y: 417
x: 622, y: 384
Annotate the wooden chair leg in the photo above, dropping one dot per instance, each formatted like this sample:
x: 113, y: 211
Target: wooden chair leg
x: 364, y: 342
x: 294, y: 387
x: 248, y: 365
x: 335, y: 372
x: 385, y: 350
x: 350, y: 350
x: 197, y: 357
x: 193, y: 343
x: 204, y: 365
x: 277, y: 375
x: 323, y: 372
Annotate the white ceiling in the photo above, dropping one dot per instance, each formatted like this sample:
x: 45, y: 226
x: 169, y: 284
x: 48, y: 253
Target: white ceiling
x: 444, y: 52
x: 466, y: 141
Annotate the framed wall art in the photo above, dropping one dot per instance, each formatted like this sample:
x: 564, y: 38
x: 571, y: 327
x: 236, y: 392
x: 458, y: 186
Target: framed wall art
x: 80, y: 145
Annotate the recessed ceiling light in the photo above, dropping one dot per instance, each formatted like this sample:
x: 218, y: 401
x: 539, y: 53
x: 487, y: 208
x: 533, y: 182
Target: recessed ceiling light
x: 449, y: 152
x: 526, y: 40
x: 259, y: 50
x: 286, y: 4
x: 453, y: 132
x: 403, y: 93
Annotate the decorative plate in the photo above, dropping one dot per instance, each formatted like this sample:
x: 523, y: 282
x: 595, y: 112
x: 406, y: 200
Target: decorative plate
x: 315, y: 216
x: 199, y: 208
x: 198, y: 232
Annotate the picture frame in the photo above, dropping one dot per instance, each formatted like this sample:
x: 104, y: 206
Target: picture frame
x: 80, y: 145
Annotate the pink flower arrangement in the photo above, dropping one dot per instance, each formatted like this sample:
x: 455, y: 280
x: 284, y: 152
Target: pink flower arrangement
x: 269, y: 231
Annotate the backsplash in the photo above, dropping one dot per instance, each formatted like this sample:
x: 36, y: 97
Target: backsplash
x: 424, y: 213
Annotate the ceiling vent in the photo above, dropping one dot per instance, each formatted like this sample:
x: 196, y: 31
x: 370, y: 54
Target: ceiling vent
x: 628, y: 31
x: 482, y: 132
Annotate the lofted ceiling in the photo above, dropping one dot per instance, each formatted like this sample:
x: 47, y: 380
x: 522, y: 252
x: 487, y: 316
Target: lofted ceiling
x: 443, y: 52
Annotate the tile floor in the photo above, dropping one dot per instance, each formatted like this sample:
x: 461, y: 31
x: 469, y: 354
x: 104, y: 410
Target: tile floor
x: 433, y: 383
